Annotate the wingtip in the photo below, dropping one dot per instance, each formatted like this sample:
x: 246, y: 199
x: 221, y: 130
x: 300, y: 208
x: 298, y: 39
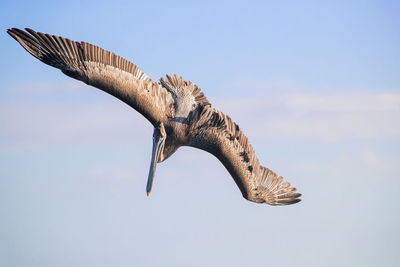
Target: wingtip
x: 289, y: 198
x: 297, y: 200
x: 30, y: 31
x: 294, y: 198
x: 12, y: 33
x: 10, y: 30
x: 285, y: 202
x: 15, y: 32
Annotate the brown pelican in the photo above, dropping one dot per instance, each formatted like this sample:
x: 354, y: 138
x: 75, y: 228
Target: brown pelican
x: 178, y: 110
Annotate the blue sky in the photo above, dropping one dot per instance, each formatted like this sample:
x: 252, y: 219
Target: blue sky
x: 314, y: 85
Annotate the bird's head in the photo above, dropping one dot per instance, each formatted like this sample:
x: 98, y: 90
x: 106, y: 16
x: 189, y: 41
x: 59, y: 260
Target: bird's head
x: 159, y: 136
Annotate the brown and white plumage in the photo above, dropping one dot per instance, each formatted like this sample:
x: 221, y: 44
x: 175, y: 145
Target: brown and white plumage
x: 216, y: 133
x: 101, y: 69
x: 178, y: 110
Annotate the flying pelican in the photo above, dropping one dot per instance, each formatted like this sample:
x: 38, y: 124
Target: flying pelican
x: 178, y: 110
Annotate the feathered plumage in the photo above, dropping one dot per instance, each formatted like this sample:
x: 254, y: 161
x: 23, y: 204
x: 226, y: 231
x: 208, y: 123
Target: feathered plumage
x: 178, y: 109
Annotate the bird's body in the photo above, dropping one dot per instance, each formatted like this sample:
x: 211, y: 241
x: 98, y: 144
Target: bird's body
x: 179, y: 111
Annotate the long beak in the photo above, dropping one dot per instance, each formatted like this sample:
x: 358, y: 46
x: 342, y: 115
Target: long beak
x: 158, y: 146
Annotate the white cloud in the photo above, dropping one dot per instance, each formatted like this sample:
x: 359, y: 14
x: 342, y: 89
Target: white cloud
x: 335, y: 116
x: 45, y: 88
x: 44, y: 119
x: 344, y: 102
x: 32, y: 121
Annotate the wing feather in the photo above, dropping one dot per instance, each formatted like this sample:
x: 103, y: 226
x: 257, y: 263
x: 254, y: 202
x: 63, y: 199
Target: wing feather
x: 216, y: 133
x: 102, y: 69
x: 181, y: 88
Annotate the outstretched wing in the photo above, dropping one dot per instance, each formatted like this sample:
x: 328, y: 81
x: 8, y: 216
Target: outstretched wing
x: 101, y: 69
x: 216, y: 133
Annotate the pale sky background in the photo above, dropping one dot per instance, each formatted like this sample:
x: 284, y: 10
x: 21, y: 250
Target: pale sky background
x: 315, y: 85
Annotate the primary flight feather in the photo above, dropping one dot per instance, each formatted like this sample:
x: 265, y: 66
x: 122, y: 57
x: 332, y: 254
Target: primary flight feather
x: 178, y: 110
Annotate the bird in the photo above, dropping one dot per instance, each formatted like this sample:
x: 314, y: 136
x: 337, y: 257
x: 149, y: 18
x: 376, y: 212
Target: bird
x: 178, y: 110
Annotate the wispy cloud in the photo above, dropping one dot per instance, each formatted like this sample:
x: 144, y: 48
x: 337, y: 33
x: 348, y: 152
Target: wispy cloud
x: 344, y: 102
x: 34, y: 114
x: 45, y: 118
x: 319, y: 116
